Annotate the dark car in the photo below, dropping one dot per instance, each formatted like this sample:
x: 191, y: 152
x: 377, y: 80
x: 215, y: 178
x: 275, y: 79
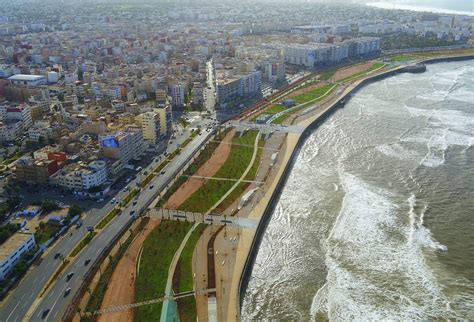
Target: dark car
x: 45, y: 313
x: 151, y: 187
x: 69, y: 276
x: 87, y: 261
x: 134, y: 202
x: 132, y: 212
x: 67, y: 291
x: 57, y: 255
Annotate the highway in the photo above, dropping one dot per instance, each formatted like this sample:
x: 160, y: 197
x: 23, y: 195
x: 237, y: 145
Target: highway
x: 18, y: 303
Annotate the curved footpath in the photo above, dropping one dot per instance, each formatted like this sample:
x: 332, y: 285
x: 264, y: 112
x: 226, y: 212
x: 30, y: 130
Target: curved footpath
x: 250, y: 239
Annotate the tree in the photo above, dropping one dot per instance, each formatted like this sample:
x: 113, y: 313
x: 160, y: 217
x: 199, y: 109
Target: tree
x: 49, y: 205
x: 75, y: 210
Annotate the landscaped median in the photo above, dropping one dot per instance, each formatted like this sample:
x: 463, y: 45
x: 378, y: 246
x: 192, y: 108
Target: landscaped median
x: 86, y: 240
x: 129, y: 197
x: 114, y: 212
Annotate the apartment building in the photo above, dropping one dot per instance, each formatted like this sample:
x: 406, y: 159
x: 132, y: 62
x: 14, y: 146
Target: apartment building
x: 27, y: 169
x: 151, y: 127
x: 238, y: 86
x: 81, y: 176
x: 123, y: 145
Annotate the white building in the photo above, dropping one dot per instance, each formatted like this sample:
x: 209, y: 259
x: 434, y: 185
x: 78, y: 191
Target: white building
x: 12, y: 250
x: 80, y: 177
x: 27, y: 80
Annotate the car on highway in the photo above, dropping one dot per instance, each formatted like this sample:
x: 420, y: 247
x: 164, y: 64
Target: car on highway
x: 114, y: 200
x: 132, y: 212
x: 125, y: 189
x: 134, y: 202
x: 151, y: 187
x: 45, y: 313
x: 67, y: 291
x: 57, y: 255
x: 87, y: 261
x: 163, y: 172
x: 69, y: 276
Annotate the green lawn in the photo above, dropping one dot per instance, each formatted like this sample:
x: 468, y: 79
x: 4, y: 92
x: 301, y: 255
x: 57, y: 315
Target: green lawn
x: 187, y: 309
x: 281, y: 118
x: 185, y: 271
x: 312, y: 95
x: 238, y: 160
x: 158, y: 251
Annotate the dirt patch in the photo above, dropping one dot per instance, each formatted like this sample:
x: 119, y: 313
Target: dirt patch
x: 306, y: 89
x: 121, y: 288
x: 346, y: 72
x: 208, y: 169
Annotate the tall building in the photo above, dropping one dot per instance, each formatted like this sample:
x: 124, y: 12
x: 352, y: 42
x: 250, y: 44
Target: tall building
x: 166, y: 118
x: 123, y: 145
x: 150, y: 123
x: 238, y: 86
x: 177, y: 92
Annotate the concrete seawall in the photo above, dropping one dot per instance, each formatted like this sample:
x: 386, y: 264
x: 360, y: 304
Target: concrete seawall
x: 313, y: 124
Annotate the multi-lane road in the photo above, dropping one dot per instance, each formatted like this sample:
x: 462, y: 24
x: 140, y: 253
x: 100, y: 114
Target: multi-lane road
x: 27, y: 294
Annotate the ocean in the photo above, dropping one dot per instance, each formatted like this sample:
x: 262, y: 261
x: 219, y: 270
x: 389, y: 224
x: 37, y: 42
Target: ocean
x: 376, y: 220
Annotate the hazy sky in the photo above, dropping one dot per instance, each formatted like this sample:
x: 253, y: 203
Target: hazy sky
x: 461, y: 5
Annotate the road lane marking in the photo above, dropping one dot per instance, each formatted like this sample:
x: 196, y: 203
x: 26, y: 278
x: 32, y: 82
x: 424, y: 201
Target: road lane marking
x: 12, y: 312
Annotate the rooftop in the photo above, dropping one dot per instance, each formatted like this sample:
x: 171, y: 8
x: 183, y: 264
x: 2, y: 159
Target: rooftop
x: 12, y: 243
x: 24, y: 77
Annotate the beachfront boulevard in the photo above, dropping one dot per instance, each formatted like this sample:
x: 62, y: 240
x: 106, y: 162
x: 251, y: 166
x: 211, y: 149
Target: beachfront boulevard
x: 197, y: 235
x: 29, y: 294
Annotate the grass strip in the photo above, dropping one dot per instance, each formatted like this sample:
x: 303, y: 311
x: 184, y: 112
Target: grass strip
x: 86, y: 240
x: 212, y: 190
x: 158, y: 251
x: 186, y: 259
x: 114, y: 212
x: 313, y: 95
x: 129, y: 197
x: 53, y: 279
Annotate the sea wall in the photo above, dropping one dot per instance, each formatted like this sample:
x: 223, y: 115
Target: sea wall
x: 273, y: 201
